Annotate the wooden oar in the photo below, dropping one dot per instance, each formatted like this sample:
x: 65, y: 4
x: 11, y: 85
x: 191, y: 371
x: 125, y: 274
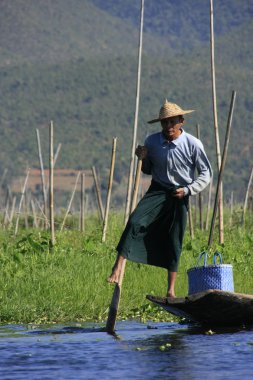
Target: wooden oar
x: 113, y: 310
x: 136, y: 185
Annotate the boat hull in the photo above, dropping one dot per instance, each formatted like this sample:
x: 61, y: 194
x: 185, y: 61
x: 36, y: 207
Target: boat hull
x: 212, y: 307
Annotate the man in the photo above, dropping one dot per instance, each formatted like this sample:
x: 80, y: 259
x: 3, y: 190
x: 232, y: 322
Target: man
x: 154, y: 232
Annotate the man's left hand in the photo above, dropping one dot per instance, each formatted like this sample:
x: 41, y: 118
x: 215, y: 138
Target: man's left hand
x: 179, y: 193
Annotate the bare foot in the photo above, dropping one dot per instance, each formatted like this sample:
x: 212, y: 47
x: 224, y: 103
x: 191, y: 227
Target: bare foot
x: 114, y: 277
x: 171, y: 284
x: 170, y: 294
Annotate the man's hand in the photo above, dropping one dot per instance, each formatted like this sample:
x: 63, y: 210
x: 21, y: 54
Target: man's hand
x: 179, y: 193
x: 141, y: 152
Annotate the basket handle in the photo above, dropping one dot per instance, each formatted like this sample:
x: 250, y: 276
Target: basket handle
x: 200, y: 257
x: 215, y: 256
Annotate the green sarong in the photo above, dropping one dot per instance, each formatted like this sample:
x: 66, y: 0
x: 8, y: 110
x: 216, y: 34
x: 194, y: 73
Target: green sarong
x: 155, y: 230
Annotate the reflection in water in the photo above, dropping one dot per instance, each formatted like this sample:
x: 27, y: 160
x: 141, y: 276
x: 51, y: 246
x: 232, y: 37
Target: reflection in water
x: 140, y: 351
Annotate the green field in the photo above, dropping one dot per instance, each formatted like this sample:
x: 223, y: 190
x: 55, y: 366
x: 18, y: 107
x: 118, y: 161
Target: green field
x: 68, y: 283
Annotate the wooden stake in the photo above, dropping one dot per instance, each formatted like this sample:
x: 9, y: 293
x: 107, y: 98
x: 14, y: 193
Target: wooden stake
x: 25, y: 210
x: 44, y: 218
x: 51, y: 182
x: 224, y: 156
x: 231, y: 208
x: 21, y: 202
x: 55, y: 156
x: 12, y: 210
x: 98, y: 193
x: 42, y: 173
x: 216, y: 128
x: 131, y: 168
x: 35, y: 222
x: 246, y: 197
x: 70, y: 202
x: 82, y: 201
x: 6, y: 211
x: 107, y: 207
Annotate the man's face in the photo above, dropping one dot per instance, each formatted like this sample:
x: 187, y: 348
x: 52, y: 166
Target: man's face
x: 171, y: 127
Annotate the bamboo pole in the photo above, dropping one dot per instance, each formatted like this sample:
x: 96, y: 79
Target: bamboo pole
x: 224, y: 156
x: 9, y: 192
x: 131, y: 167
x: 114, y: 143
x: 51, y: 182
x: 216, y: 127
x: 25, y: 210
x: 231, y: 208
x: 113, y: 310
x: 246, y: 197
x: 98, y: 193
x: 209, y: 203
x: 70, y: 202
x: 42, y: 173
x: 12, y: 210
x: 35, y: 221
x: 6, y: 212
x: 82, y: 201
x: 21, y: 202
x: 55, y: 156
x: 44, y: 218
x: 6, y: 219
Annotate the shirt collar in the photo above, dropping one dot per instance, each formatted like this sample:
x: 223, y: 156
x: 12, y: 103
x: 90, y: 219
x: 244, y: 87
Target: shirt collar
x: 175, y: 142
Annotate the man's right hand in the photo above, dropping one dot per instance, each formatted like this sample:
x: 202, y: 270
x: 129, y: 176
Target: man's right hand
x: 141, y: 152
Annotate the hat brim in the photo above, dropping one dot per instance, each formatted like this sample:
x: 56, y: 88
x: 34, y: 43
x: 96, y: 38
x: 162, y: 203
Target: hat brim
x: 177, y: 114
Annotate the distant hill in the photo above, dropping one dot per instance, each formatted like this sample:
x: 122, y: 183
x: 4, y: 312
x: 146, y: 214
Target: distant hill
x: 56, y: 31
x: 75, y: 62
x: 187, y: 20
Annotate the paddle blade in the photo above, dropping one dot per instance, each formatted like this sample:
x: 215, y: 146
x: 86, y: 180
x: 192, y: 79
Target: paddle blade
x: 113, y: 310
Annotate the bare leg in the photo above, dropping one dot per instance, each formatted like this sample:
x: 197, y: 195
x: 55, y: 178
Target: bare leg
x: 116, y: 269
x: 171, y: 284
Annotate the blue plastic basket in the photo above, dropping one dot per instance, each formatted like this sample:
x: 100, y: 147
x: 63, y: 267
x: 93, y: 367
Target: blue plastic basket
x: 216, y: 276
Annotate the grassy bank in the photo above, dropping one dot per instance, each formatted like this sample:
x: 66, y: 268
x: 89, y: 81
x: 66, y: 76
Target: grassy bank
x: 69, y: 283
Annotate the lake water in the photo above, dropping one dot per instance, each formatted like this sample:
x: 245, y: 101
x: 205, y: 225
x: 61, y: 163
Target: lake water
x: 140, y: 351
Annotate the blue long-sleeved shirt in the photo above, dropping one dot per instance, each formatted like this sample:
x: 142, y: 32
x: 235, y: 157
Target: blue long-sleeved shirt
x: 174, y: 162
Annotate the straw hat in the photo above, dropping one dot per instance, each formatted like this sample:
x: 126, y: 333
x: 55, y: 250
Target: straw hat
x: 169, y: 110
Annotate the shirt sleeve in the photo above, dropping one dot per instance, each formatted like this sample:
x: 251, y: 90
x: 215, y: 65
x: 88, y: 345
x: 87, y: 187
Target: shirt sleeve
x: 146, y: 164
x: 204, y: 171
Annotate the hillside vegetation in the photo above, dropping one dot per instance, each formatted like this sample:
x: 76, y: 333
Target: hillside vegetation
x: 75, y: 62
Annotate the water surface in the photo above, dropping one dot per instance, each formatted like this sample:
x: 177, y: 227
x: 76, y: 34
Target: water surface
x: 140, y: 351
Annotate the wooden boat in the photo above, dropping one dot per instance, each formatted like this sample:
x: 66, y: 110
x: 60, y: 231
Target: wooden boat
x: 212, y: 307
